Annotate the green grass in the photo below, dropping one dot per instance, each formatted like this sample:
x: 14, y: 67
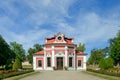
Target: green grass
x: 27, y: 66
x: 12, y: 74
x: 21, y: 76
x: 103, y: 76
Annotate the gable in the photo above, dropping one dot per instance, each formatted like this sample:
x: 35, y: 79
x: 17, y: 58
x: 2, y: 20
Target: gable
x: 59, y: 38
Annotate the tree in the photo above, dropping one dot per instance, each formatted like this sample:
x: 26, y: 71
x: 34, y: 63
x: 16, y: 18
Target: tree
x: 106, y: 50
x: 106, y: 63
x: 18, y: 50
x: 110, y: 63
x: 81, y: 47
x: 19, y: 53
x: 17, y: 64
x: 5, y: 52
x: 31, y: 51
x: 30, y: 55
x: 115, y: 49
x: 38, y: 47
x: 102, y: 64
x: 96, y: 56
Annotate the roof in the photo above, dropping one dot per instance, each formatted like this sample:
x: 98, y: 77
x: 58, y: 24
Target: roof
x: 80, y: 53
x: 40, y: 52
x: 64, y: 39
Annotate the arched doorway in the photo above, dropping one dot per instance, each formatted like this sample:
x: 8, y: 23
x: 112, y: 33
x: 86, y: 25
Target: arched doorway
x: 59, y: 60
x: 59, y: 63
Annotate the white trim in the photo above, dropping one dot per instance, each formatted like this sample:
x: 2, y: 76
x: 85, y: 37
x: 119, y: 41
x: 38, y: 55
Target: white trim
x: 34, y: 62
x: 53, y: 64
x: 39, y: 68
x: 66, y: 56
x: 44, y: 58
x: 74, y: 59
x: 84, y: 63
x: 49, y: 68
x: 59, y: 54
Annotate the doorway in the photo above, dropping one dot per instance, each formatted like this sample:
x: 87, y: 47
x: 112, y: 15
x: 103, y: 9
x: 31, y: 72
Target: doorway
x: 59, y: 63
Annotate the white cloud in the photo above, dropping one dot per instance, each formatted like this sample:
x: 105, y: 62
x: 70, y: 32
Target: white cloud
x: 89, y: 27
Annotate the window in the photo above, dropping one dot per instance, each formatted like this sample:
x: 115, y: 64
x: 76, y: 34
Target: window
x: 70, y: 61
x: 49, y: 62
x: 39, y: 63
x: 59, y: 38
x: 79, y: 63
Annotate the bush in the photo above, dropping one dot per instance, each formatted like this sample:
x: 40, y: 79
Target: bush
x: 109, y: 63
x: 17, y: 64
x: 106, y: 63
x: 102, y: 64
x: 14, y: 73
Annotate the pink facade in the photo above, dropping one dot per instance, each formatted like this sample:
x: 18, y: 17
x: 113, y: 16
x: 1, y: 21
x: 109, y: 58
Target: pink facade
x: 59, y: 53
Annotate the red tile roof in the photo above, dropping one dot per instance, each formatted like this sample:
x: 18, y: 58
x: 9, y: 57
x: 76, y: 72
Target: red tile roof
x: 79, y: 52
x: 40, y: 52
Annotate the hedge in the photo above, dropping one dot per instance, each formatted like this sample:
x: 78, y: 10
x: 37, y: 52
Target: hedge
x: 104, y: 72
x: 2, y: 76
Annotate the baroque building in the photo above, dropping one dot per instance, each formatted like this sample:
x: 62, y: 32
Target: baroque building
x: 59, y: 53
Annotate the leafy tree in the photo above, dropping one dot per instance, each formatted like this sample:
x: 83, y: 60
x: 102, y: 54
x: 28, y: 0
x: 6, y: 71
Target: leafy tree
x: 106, y: 63
x: 110, y: 63
x: 17, y: 64
x: 5, y: 52
x: 30, y: 55
x: 102, y: 64
x: 106, y: 50
x: 38, y: 47
x: 8, y: 65
x: 18, y: 50
x: 19, y: 53
x: 31, y: 51
x: 96, y: 56
x: 115, y: 49
x: 81, y: 47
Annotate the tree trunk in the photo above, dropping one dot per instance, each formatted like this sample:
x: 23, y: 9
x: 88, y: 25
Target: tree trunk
x: 118, y: 64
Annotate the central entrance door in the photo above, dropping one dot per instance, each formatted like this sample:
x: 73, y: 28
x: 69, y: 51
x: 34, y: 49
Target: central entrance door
x: 60, y: 63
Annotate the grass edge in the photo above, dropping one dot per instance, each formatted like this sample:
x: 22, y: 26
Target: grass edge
x: 102, y: 75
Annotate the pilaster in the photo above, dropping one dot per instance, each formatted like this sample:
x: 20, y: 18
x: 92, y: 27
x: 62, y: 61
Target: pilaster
x: 53, y: 52
x: 66, y: 56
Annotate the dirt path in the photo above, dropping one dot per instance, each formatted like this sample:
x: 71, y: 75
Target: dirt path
x: 62, y: 75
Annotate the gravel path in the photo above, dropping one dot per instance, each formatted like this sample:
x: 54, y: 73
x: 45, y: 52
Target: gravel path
x: 61, y: 75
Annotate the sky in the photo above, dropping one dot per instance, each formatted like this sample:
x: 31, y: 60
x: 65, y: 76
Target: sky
x: 92, y: 22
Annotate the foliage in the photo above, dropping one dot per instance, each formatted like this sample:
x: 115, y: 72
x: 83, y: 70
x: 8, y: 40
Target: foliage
x: 110, y: 63
x: 106, y: 63
x: 14, y: 73
x: 102, y: 64
x: 106, y: 51
x: 8, y: 65
x: 115, y: 49
x: 17, y: 64
x: 5, y: 52
x: 31, y: 51
x: 18, y: 50
x: 96, y: 56
x: 81, y: 47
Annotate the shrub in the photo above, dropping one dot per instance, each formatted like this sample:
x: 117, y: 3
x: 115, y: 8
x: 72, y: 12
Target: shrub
x: 106, y: 63
x: 17, y: 64
x: 102, y: 64
x: 66, y: 68
x: 16, y: 73
x: 109, y: 63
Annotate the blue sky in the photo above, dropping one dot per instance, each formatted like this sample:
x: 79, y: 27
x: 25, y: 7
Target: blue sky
x: 92, y: 22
